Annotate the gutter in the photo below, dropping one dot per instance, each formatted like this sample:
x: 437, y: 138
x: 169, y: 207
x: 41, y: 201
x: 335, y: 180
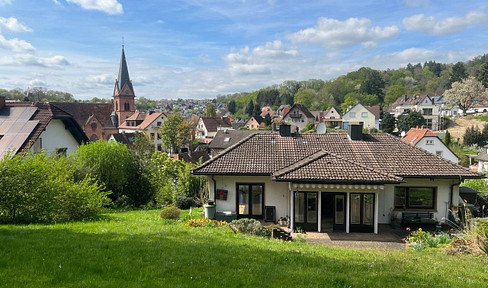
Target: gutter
x: 451, y: 192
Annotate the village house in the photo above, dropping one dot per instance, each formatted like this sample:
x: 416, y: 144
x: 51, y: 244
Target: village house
x: 226, y: 138
x: 330, y: 117
x: 349, y: 182
x: 207, y: 127
x: 369, y: 116
x: 34, y: 127
x: 148, y: 123
x: 429, y: 141
x: 423, y: 104
x: 298, y: 115
x: 255, y: 122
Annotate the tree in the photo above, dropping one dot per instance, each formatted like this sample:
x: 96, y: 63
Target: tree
x: 373, y: 84
x: 267, y: 120
x: 457, y: 74
x: 483, y: 74
x: 232, y: 107
x: 257, y: 109
x: 473, y: 136
x: 211, y: 112
x: 465, y: 94
x: 250, y: 108
x: 306, y: 96
x: 447, y: 138
x: 394, y: 92
x: 141, y: 147
x: 388, y: 123
x: 173, y: 133
x: 409, y: 120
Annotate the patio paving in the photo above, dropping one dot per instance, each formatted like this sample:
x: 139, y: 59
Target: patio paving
x: 386, y: 239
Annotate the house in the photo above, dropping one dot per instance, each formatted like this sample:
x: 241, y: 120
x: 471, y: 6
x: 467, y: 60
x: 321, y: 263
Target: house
x: 255, y: 123
x: 330, y: 117
x: 346, y: 182
x: 483, y: 160
x: 149, y: 123
x: 207, y: 127
x: 125, y: 138
x: 423, y: 104
x: 34, y: 127
x: 427, y: 140
x: 226, y: 138
x: 368, y: 115
x: 298, y: 115
x: 192, y: 157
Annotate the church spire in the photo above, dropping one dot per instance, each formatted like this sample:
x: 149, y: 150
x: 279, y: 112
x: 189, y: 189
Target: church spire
x: 124, y: 78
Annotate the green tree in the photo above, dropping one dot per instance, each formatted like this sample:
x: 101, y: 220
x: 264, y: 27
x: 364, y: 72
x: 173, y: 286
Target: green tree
x: 211, y: 112
x: 257, y: 109
x: 232, y: 107
x: 447, y: 138
x: 458, y: 74
x: 483, y: 74
x: 388, y: 123
x: 373, y: 84
x: 473, y: 136
x: 306, y: 96
x: 174, y: 133
x: 250, y: 108
x: 465, y: 94
x: 394, y: 92
x: 267, y: 120
x: 410, y: 120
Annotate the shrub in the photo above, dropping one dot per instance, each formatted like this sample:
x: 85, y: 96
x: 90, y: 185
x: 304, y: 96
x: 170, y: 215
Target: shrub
x: 249, y: 226
x: 419, y: 239
x: 205, y: 223
x: 171, y: 213
x: 184, y: 202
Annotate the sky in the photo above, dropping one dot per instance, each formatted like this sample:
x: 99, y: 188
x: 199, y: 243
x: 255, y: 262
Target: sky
x: 204, y: 48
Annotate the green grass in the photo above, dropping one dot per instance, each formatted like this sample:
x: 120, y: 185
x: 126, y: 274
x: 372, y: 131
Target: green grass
x: 482, y: 118
x: 134, y: 249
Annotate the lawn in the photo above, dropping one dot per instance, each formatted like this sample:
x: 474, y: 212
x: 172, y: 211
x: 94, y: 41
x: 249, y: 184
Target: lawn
x: 135, y: 249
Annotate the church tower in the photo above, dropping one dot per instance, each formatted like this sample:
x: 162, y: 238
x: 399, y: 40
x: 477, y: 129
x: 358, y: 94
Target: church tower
x: 124, y: 104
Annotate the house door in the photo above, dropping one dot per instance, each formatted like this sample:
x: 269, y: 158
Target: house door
x: 362, y: 212
x: 305, y: 211
x: 333, y: 211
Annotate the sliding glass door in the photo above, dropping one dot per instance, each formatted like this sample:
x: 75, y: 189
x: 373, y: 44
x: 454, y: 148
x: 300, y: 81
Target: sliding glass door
x: 362, y: 212
x: 306, y: 211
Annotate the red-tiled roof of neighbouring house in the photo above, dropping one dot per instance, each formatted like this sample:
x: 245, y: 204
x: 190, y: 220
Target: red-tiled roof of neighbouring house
x: 414, y: 135
x: 264, y: 113
x: 300, y: 107
x: 147, y: 119
x: 375, y: 110
x: 82, y: 111
x: 324, y: 166
x: 213, y: 123
x: 381, y: 152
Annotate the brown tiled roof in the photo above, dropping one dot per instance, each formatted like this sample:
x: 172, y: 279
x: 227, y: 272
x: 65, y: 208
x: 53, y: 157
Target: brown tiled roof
x: 233, y: 136
x: 194, y: 157
x: 302, y: 108
x: 324, y: 166
x: 212, y: 123
x: 375, y: 110
x: 147, y: 119
x: 82, y: 111
x: 381, y: 152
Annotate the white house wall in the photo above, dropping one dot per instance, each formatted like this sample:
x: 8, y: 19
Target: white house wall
x: 56, y: 136
x: 368, y: 122
x: 437, y: 146
x: 275, y: 193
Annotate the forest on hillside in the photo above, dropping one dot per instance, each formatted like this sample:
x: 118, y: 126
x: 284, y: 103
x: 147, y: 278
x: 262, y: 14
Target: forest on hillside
x: 366, y: 85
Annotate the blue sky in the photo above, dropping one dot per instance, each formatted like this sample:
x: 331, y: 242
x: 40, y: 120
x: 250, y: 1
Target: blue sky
x: 203, y: 48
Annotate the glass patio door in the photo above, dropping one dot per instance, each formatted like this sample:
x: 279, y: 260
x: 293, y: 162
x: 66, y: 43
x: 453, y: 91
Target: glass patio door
x: 306, y: 211
x: 362, y: 212
x: 250, y: 201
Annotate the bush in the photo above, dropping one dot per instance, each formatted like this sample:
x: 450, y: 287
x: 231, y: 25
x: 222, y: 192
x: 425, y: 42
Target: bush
x: 171, y: 213
x: 184, y: 202
x: 205, y: 223
x: 249, y: 226
x: 419, y: 239
x: 41, y: 188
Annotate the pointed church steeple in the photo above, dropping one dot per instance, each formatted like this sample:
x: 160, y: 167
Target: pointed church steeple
x: 124, y: 104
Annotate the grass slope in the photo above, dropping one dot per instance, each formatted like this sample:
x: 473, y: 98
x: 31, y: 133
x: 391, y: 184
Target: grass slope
x: 134, y: 249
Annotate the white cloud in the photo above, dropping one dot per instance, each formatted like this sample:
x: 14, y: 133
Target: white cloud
x: 12, y: 25
x: 32, y: 60
x: 335, y: 34
x: 111, y: 7
x: 15, y: 45
x: 417, y: 3
x: 101, y: 79
x: 431, y: 26
x: 57, y: 2
x: 37, y: 83
x: 5, y: 2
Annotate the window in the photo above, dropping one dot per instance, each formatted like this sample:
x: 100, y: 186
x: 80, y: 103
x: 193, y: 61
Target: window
x: 250, y: 200
x: 429, y: 142
x: 158, y: 124
x: 126, y: 107
x: 415, y: 197
x: 159, y: 147
x: 438, y: 153
x: 152, y: 136
x: 427, y: 111
x: 61, y: 151
x: 364, y: 114
x: 352, y: 114
x: 428, y: 123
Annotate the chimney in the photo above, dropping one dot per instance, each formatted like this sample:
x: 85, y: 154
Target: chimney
x: 285, y: 130
x: 2, y: 102
x: 355, y: 131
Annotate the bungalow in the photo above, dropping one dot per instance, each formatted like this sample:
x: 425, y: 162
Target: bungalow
x: 341, y: 182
